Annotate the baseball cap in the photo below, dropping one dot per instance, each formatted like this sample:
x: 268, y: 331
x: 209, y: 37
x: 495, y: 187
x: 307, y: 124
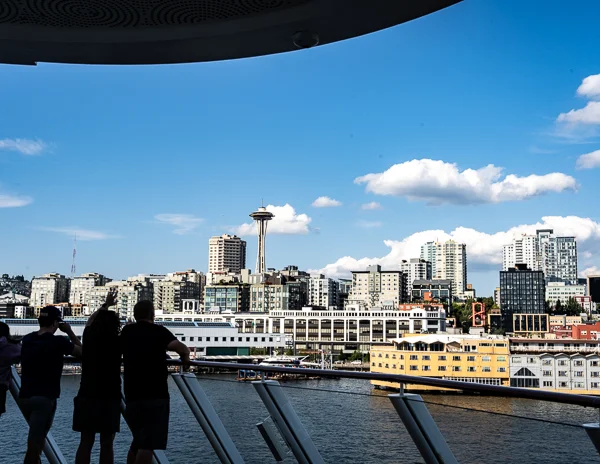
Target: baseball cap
x: 52, y: 313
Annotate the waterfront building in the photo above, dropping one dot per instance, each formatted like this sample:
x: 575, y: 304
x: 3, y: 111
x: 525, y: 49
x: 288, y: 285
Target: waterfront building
x: 13, y: 305
x: 205, y: 339
x: 427, y: 290
x: 339, y: 331
x: 465, y: 358
x: 563, y: 365
x: 232, y: 297
x: 80, y: 287
x: 377, y: 288
x: 415, y: 269
x: 522, y: 291
x: 129, y: 293
x: 226, y: 253
x: 561, y: 291
x: 49, y: 289
x: 522, y: 250
x: 322, y: 291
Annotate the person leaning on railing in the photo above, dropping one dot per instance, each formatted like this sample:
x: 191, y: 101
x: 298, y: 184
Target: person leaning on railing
x: 144, y: 346
x: 42, y: 357
x: 10, y: 353
x: 97, y: 406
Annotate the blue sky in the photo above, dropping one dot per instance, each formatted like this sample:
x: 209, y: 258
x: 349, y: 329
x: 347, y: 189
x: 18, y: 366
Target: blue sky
x: 149, y: 162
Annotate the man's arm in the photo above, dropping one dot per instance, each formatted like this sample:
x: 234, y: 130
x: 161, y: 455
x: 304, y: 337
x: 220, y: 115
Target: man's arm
x: 66, y: 328
x: 182, y: 350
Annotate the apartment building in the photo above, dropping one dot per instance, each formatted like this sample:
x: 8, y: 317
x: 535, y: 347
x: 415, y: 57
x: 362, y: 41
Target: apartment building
x: 129, y: 293
x: 377, y: 288
x: 448, y: 262
x: 559, y: 259
x: 561, y: 291
x: 322, y: 292
x: 231, y: 297
x: 522, y: 291
x: 415, y: 269
x: 465, y: 358
x: 80, y: 287
x: 522, y: 250
x: 226, y: 253
x: 428, y: 290
x: 49, y: 289
x: 169, y: 295
x: 277, y: 293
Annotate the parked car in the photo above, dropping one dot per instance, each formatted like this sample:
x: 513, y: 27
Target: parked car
x: 356, y: 362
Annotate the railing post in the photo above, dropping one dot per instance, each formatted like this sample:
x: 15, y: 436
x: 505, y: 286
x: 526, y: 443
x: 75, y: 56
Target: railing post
x: 287, y: 421
x: 422, y: 429
x: 51, y: 450
x: 593, y: 431
x: 208, y: 419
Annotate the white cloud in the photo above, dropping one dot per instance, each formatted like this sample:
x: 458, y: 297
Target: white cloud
x: 286, y: 221
x: 81, y: 234
x: 437, y: 182
x: 369, y: 224
x: 371, y: 206
x: 592, y: 270
x: 589, y: 160
x: 14, y: 201
x: 326, y: 202
x: 23, y: 146
x: 482, y: 248
x: 184, y: 223
x: 589, y: 114
x: 590, y: 87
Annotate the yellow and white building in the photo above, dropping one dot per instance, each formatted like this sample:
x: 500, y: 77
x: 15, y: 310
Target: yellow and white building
x: 466, y: 358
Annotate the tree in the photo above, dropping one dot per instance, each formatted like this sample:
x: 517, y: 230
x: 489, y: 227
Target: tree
x: 356, y: 356
x: 572, y: 308
x: 558, y: 309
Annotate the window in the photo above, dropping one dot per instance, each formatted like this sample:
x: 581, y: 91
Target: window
x: 413, y: 357
x: 502, y: 369
x: 387, y: 366
x: 595, y: 374
x: 456, y: 369
x: 562, y: 373
x: 441, y: 358
x: 547, y: 383
x: 486, y: 369
x: 502, y: 358
x: 516, y: 360
x: 393, y: 356
x: 547, y: 362
x: 232, y: 339
x: 595, y: 385
x: 563, y: 385
x: 471, y: 358
x: 199, y: 339
x: 387, y: 355
x: 455, y: 358
x: 486, y: 358
x: 578, y: 363
x: 547, y: 373
x: 578, y: 373
x: 183, y: 339
x: 393, y: 366
x: 425, y: 358
x: 578, y: 385
x: 594, y: 363
x: 208, y: 339
x: 426, y: 368
x: 379, y: 364
x: 414, y: 368
x: 373, y: 364
x: 471, y: 369
x: 562, y: 362
x: 441, y: 368
x: 191, y: 339
x: 239, y: 339
x: 531, y: 360
x: 247, y: 339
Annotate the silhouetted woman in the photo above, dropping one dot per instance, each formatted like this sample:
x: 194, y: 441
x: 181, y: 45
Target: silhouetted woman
x: 10, y: 352
x: 97, y: 405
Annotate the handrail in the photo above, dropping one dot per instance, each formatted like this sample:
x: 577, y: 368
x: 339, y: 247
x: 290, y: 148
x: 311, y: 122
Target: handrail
x: 513, y: 392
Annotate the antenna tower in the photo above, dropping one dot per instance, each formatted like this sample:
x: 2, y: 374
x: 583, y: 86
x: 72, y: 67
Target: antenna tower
x: 73, y: 267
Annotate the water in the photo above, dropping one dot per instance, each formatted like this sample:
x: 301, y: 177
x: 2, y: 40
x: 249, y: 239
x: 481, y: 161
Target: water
x: 349, y: 428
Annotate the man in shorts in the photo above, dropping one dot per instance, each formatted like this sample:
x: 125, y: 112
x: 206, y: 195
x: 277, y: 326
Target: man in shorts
x: 144, y: 346
x: 42, y: 356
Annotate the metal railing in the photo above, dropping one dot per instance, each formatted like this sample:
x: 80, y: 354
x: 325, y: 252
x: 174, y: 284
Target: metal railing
x: 293, y: 436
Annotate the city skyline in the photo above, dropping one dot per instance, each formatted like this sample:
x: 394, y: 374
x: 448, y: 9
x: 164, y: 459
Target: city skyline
x: 366, y: 149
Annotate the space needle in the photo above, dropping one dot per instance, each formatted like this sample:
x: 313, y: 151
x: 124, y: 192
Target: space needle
x: 262, y: 217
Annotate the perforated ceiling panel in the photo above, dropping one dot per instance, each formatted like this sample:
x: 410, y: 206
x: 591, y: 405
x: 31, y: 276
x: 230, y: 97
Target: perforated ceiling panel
x: 182, y: 31
x: 131, y: 13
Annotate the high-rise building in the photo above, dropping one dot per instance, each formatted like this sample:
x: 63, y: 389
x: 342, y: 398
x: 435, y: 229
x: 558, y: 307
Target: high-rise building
x: 49, y: 289
x: 82, y: 285
x: 593, y: 287
x: 428, y: 253
x: 416, y: 269
x: 522, y: 291
x: 377, y: 288
x: 451, y: 264
x: 233, y: 297
x: 522, y: 250
x: 322, y: 291
x: 170, y: 294
x: 559, y: 259
x: 226, y: 253
x: 277, y: 293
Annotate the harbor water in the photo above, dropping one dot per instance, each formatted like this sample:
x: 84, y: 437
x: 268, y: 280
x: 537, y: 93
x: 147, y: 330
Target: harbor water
x: 349, y: 422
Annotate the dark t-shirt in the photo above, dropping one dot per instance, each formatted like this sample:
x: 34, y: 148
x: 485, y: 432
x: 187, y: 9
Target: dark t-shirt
x: 42, y: 364
x: 144, y: 348
x: 100, y: 366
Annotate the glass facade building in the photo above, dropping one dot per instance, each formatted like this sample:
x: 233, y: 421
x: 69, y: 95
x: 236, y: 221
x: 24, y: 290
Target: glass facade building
x: 522, y: 291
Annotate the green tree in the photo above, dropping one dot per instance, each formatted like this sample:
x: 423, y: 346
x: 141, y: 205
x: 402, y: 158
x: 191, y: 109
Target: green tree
x: 572, y: 308
x: 558, y: 309
x: 289, y: 352
x: 356, y: 356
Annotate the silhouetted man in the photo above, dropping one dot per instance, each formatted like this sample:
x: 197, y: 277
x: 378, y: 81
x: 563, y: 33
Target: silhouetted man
x: 144, y: 346
x: 41, y: 368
